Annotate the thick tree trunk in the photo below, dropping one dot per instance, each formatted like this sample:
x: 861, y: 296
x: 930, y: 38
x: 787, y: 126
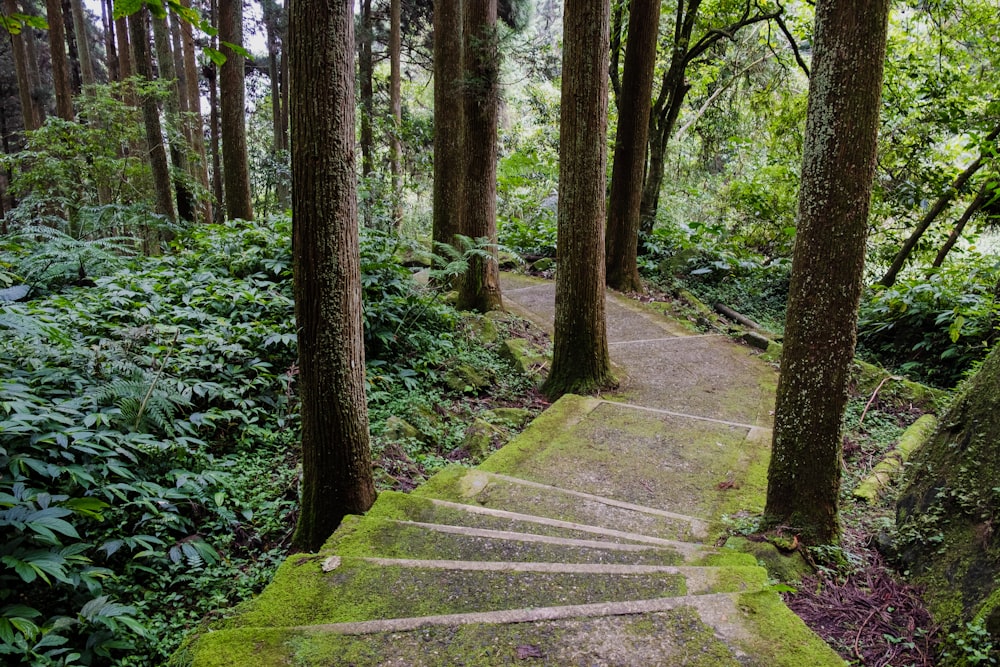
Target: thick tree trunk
x: 580, y: 361
x: 235, y: 161
x: 622, y: 242
x: 29, y: 113
x: 139, y: 38
x: 984, y: 195
x: 838, y: 165
x: 939, y: 206
x: 60, y: 64
x: 172, y: 111
x: 72, y: 51
x: 199, y: 163
x: 396, y: 107
x: 479, y: 287
x: 336, y: 458
x: 448, y: 121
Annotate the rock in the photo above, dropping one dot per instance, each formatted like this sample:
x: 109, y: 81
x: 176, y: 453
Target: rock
x: 465, y: 378
x: 543, y: 264
x: 479, y: 436
x: 400, y: 429
x: 526, y: 358
x: 787, y: 568
x: 482, y: 328
x: 510, y: 417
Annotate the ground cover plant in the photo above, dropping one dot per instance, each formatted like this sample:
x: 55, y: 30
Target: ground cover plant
x: 148, y: 433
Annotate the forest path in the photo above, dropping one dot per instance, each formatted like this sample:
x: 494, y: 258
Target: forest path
x: 590, y: 539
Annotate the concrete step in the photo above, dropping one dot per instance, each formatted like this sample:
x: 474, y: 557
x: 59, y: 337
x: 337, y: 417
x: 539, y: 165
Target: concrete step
x: 320, y: 589
x: 407, y: 526
x: 524, y: 496
x: 715, y: 630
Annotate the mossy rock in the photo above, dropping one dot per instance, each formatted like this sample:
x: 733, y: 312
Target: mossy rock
x: 482, y: 328
x: 785, y: 567
x: 464, y: 378
x: 509, y: 417
x: 479, y: 436
x: 543, y: 264
x: 527, y: 358
x: 397, y: 429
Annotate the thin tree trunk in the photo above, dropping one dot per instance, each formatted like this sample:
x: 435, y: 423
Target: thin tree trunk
x: 199, y: 163
x: 218, y: 186
x: 235, y: 161
x: 939, y: 206
x: 838, y: 167
x: 622, y: 242
x: 984, y: 195
x: 139, y: 38
x: 279, y: 143
x: 396, y: 106
x: 479, y: 288
x: 60, y: 65
x: 366, y: 70
x: 110, y: 49
x: 29, y: 113
x: 580, y: 360
x: 336, y: 456
x: 82, y: 43
x: 38, y: 92
x: 448, y: 121
x: 172, y: 111
x: 72, y: 50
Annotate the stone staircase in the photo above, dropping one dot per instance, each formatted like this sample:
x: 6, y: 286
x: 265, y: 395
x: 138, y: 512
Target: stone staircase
x: 591, y: 539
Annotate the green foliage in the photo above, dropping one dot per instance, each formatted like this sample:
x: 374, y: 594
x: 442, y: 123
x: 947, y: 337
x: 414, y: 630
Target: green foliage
x: 933, y: 328
x: 969, y: 647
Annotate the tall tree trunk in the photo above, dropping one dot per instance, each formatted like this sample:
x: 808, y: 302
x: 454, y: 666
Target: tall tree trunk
x: 396, y: 106
x: 448, y: 121
x: 125, y: 67
x: 235, y: 161
x: 218, y: 186
x: 838, y: 166
x: 336, y: 457
x: 199, y: 163
x: 366, y: 70
x: 172, y: 111
x: 139, y: 38
x: 82, y: 43
x: 580, y: 360
x: 38, y: 92
x: 72, y: 51
x: 939, y: 206
x: 622, y: 242
x: 479, y: 288
x: 273, y: 24
x: 110, y: 47
x: 60, y: 64
x: 984, y: 195
x: 29, y: 112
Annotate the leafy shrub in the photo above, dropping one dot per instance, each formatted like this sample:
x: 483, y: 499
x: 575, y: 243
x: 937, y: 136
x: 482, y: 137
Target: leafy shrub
x: 933, y: 328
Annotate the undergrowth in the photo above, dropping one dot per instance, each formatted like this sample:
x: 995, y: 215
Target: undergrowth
x: 149, y: 433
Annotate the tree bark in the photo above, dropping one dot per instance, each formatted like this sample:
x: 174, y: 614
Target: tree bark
x: 82, y: 43
x: 38, y: 92
x: 889, y: 279
x: 235, y: 161
x: 366, y: 70
x: 60, y: 64
x: 172, y: 112
x: 139, y: 38
x: 838, y: 166
x: 448, y: 121
x: 73, y: 53
x: 29, y: 113
x: 396, y: 106
x: 199, y: 163
x: 580, y: 360
x: 984, y: 195
x: 336, y: 457
x: 622, y: 241
x: 273, y: 22
x: 479, y: 287
x: 110, y: 47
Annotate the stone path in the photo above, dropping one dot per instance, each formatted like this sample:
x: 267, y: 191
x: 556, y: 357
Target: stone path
x: 588, y: 540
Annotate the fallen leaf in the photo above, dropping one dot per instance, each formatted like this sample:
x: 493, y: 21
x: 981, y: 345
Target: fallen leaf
x: 331, y: 563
